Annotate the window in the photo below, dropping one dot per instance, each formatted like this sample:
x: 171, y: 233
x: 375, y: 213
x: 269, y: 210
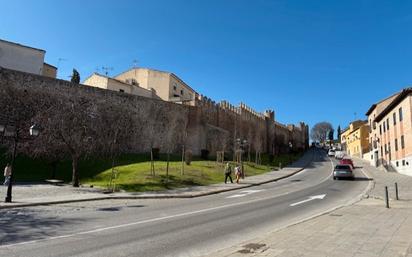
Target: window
x: 380, y: 129
x: 394, y: 118
x: 397, y: 164
x: 181, y: 92
x: 386, y: 149
x: 387, y: 124
x: 403, y: 162
x: 121, y: 90
x: 400, y: 114
x: 374, y: 125
x: 134, y: 82
x: 389, y: 150
x: 396, y: 144
x: 402, y: 142
x: 381, y: 151
x: 174, y: 88
x: 384, y: 127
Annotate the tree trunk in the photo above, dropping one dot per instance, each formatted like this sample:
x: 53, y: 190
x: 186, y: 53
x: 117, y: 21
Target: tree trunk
x: 54, y: 168
x: 167, y: 167
x: 183, y: 161
x: 152, y: 170
x: 75, y: 174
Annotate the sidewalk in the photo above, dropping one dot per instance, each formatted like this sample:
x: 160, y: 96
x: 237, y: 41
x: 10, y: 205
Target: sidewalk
x: 364, y: 229
x: 42, y: 194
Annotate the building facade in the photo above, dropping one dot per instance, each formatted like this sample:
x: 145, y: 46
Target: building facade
x: 101, y: 81
x: 355, y: 139
x: 391, y: 134
x: 25, y: 58
x: 167, y: 85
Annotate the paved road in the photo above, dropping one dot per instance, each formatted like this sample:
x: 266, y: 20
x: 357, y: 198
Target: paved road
x: 174, y: 227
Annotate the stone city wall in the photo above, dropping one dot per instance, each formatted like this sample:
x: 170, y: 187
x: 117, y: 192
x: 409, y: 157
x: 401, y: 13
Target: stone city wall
x: 168, y: 126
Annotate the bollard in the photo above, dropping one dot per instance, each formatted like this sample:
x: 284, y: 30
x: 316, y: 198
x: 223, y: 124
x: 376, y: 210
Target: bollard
x: 396, y: 191
x: 280, y: 165
x: 386, y: 197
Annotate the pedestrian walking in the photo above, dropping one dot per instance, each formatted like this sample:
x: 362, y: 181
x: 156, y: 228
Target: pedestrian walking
x: 238, y: 173
x: 7, y: 174
x: 228, y: 172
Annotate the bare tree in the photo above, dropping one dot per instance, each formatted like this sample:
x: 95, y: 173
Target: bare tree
x: 321, y: 131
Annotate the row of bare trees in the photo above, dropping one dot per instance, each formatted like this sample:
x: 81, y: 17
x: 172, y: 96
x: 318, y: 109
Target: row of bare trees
x: 78, y: 127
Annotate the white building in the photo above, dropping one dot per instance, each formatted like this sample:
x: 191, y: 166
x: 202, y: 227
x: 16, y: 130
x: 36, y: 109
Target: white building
x: 24, y: 58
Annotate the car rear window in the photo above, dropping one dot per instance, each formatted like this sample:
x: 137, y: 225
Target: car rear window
x: 342, y: 167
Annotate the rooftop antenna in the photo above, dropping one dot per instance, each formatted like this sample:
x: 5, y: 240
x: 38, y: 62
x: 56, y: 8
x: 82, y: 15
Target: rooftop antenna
x: 135, y: 61
x: 97, y: 69
x: 106, y: 70
x: 354, y: 114
x: 59, y: 60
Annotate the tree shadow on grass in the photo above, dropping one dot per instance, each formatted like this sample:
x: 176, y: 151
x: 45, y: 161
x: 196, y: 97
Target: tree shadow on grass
x: 22, y: 225
x: 161, y: 183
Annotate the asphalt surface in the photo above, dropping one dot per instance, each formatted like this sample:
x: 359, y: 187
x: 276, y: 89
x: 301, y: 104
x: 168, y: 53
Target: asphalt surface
x: 175, y: 227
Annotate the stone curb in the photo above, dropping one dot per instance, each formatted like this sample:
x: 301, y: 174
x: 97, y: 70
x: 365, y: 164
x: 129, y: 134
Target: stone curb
x: 137, y: 197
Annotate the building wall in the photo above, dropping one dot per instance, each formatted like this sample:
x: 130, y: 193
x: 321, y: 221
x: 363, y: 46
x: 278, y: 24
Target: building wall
x: 163, y: 83
x: 21, y: 58
x: 49, y: 71
x: 399, y: 157
x: 97, y: 80
x: 357, y: 141
x: 386, y: 143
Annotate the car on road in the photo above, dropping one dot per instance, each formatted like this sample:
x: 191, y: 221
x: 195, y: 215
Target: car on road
x: 343, y: 171
x: 339, y: 155
x: 331, y: 152
x: 347, y: 161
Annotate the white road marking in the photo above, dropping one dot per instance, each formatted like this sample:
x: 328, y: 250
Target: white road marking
x: 245, y: 193
x: 311, y: 198
x: 145, y: 221
x: 236, y: 196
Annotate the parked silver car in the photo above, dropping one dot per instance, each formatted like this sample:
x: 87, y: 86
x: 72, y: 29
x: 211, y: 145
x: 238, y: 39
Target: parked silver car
x: 343, y: 171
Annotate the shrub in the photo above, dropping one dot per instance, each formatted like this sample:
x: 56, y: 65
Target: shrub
x: 204, y: 154
x: 188, y: 157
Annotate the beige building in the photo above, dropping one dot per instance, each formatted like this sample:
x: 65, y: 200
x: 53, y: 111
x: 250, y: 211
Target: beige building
x: 101, y: 81
x: 350, y: 138
x: 356, y: 138
x: 49, y: 70
x: 391, y: 133
x: 167, y: 85
x: 25, y: 58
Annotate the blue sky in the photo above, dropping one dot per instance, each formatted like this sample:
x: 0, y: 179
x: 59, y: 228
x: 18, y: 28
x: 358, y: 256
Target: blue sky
x: 308, y: 60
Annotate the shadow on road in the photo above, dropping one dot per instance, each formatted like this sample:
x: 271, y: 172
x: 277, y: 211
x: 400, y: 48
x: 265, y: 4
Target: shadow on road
x: 20, y: 225
x: 362, y: 179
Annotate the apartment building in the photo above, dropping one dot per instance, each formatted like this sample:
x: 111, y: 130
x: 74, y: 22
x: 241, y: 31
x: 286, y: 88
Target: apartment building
x: 167, y: 85
x: 25, y: 58
x: 391, y: 133
x: 355, y: 138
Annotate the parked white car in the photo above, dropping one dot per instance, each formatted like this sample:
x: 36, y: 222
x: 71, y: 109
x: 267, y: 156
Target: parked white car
x: 331, y: 153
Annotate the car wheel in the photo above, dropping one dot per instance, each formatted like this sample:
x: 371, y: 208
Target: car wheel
x: 334, y: 178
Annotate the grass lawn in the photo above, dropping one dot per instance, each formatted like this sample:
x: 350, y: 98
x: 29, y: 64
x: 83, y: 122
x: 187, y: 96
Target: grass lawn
x: 134, y: 171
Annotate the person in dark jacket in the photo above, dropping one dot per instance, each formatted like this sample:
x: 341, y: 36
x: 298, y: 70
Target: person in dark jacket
x: 228, y: 172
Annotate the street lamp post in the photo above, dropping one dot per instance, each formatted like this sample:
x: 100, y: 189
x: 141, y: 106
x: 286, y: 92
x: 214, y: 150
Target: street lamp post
x: 290, y: 151
x: 242, y: 144
x: 11, y: 131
